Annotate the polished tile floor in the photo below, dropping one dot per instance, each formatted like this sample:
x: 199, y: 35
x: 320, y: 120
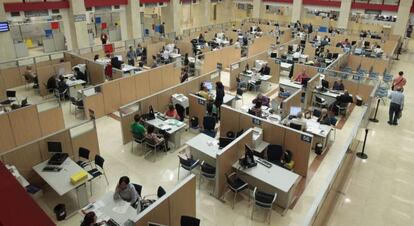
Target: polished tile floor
x: 378, y: 191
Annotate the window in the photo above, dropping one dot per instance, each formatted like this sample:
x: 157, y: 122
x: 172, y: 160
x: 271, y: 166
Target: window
x: 15, y: 14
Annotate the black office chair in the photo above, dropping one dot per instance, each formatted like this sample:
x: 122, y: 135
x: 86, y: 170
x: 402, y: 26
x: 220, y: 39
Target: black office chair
x: 77, y: 103
x: 98, y: 171
x: 138, y: 189
x: 83, y: 154
x: 317, y: 113
x: 209, y: 126
x: 188, y: 164
x: 275, y: 154
x: 139, y: 139
x: 208, y: 172
x: 160, y: 192
x: 153, y: 146
x: 295, y: 126
x: 235, y: 184
x: 11, y: 97
x: 24, y: 103
x: 180, y: 111
x: 189, y: 221
x: 265, y: 201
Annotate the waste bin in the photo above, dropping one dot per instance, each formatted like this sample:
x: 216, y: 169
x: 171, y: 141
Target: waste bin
x: 60, y: 211
x: 318, y: 148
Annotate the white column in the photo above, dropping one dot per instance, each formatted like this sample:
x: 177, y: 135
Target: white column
x: 7, y: 51
x: 297, y: 9
x: 205, y: 16
x: 344, y: 14
x: 133, y: 15
x: 66, y: 26
x: 257, y: 7
x: 403, y: 17
x: 171, y: 16
x: 79, y: 29
x: 124, y: 24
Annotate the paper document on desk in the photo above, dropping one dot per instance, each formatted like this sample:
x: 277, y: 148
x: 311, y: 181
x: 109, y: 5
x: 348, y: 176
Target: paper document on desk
x: 121, y: 209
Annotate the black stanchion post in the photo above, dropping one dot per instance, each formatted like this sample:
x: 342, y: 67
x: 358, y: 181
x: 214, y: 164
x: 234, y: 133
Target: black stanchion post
x: 376, y: 111
x: 362, y: 154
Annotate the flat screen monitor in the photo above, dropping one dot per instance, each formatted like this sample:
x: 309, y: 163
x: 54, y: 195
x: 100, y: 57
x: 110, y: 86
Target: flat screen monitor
x: 295, y: 110
x: 290, y: 48
x: 366, y: 44
x: 4, y: 26
x: 248, y: 153
x: 273, y: 55
x: 325, y: 84
x: 224, y: 141
x: 208, y: 85
x: 54, y: 147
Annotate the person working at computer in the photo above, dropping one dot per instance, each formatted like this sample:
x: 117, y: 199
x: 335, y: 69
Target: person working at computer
x: 204, y: 92
x: 91, y: 219
x: 324, y: 119
x: 125, y: 191
x: 131, y: 56
x: 156, y: 139
x: 263, y: 99
x: 338, y: 85
x: 165, y: 56
x: 299, y: 121
x: 301, y: 76
x: 171, y: 112
x: 30, y: 76
x: 137, y: 127
x: 256, y: 109
x: 79, y: 75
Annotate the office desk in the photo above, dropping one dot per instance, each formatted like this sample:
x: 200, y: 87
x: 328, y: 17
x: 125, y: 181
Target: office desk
x: 172, y: 126
x: 289, y: 85
x: 228, y: 99
x: 106, y: 207
x: 74, y: 86
x: 329, y: 96
x: 321, y: 132
x: 273, y: 179
x: 204, y: 147
x: 128, y: 68
x: 285, y: 66
x: 60, y: 181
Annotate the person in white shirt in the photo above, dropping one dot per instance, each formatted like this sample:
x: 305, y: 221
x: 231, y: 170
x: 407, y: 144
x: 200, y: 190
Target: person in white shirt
x: 165, y: 55
x: 378, y: 50
x: 126, y: 191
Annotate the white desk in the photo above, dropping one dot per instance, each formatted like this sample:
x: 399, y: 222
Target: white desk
x: 289, y: 85
x: 128, y: 68
x: 103, y: 61
x: 170, y: 126
x: 321, y: 132
x: 74, y: 86
x: 328, y: 95
x: 285, y: 66
x: 106, y: 207
x: 204, y: 147
x: 273, y: 179
x: 60, y: 181
x: 227, y: 99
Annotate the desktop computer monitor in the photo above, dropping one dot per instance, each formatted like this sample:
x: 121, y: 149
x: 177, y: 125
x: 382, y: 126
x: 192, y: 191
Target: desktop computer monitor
x: 224, y: 141
x: 335, y: 55
x: 119, y: 57
x: 366, y: 44
x: 208, y: 85
x: 290, y: 48
x: 54, y: 147
x: 275, y: 105
x: 295, y: 110
x: 273, y: 55
x: 248, y: 153
x: 325, y: 84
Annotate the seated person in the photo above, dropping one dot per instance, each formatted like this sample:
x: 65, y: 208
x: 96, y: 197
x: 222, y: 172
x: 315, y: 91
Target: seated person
x: 90, y: 219
x: 141, y: 65
x: 176, y: 50
x: 31, y: 76
x: 62, y: 86
x: 301, y: 76
x: 345, y: 98
x: 165, y: 56
x: 51, y: 84
x: 201, y: 38
x: 79, y: 75
x: 247, y: 68
x: 283, y: 94
x: 324, y: 119
x: 126, y: 191
x: 338, y: 85
x: 257, y: 109
x: 327, y: 39
x: 378, y: 50
x: 137, y: 127
x: 346, y: 43
x: 299, y: 121
x: 265, y: 70
x: 156, y: 138
x: 263, y: 99
x: 184, y: 75
x: 204, y: 92
x: 96, y: 57
x: 171, y: 113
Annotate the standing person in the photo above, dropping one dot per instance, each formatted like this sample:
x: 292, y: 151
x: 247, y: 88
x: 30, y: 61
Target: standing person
x: 219, y: 97
x: 162, y: 29
x: 131, y: 56
x: 104, y: 38
x: 399, y: 82
x: 396, y: 106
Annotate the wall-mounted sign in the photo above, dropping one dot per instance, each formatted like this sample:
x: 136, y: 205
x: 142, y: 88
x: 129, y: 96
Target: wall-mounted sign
x: 256, y: 121
x: 201, y: 102
x: 79, y: 17
x: 306, y: 138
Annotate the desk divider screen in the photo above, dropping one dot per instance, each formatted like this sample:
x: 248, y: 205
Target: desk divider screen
x: 167, y: 210
x: 261, y: 44
x: 11, y: 77
x: 294, y: 100
x: 96, y: 72
x: 152, y: 50
x: 312, y: 83
x: 273, y: 133
x: 298, y: 68
x: 185, y: 47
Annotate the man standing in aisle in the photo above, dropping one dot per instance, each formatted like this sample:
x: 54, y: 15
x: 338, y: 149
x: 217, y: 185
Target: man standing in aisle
x: 396, y: 106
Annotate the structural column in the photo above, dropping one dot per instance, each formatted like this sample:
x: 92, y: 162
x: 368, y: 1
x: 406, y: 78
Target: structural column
x: 205, y: 15
x: 257, y: 8
x: 133, y: 16
x: 344, y: 14
x: 7, y: 46
x: 403, y: 16
x: 78, y: 24
x: 297, y: 10
x: 171, y: 16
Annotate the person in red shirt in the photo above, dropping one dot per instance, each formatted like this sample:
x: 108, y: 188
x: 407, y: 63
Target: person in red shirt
x: 301, y: 76
x: 399, y: 82
x: 172, y: 112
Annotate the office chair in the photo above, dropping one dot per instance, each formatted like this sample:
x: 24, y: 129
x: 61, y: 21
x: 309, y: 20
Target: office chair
x: 77, y: 103
x: 24, y: 103
x: 235, y: 184
x: 61, y: 94
x: 208, y: 172
x: 83, y: 154
x: 98, y: 171
x: 295, y: 126
x: 265, y: 201
x: 149, y: 143
x: 139, y: 139
x: 11, y: 97
x: 239, y: 94
x: 275, y: 154
x: 209, y: 124
x: 188, y: 164
x: 138, y: 189
x: 189, y: 221
x: 180, y: 111
x: 342, y: 109
x: 255, y: 85
x: 316, y: 112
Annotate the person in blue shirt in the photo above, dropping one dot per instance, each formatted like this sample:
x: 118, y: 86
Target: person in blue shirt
x: 338, y: 85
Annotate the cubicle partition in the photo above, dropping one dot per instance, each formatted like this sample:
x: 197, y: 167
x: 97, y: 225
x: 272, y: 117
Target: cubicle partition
x: 298, y: 69
x: 378, y: 65
x: 168, y: 209
x: 30, y: 152
x: 261, y: 44
x: 29, y: 123
x: 152, y: 50
x: 294, y: 100
x: 298, y: 142
x: 225, y: 56
x: 160, y: 101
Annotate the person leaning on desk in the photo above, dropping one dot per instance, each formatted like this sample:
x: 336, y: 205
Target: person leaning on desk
x: 79, y: 75
x: 126, y: 191
x: 256, y: 109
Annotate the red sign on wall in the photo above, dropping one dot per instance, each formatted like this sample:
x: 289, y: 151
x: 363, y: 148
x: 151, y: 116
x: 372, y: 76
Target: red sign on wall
x: 54, y: 25
x: 104, y: 25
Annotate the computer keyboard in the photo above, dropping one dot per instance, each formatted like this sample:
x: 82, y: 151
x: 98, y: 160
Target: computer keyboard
x: 52, y: 169
x: 264, y: 162
x: 161, y: 117
x: 111, y: 222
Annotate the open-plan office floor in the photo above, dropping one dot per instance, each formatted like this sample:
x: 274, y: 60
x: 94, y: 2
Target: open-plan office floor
x: 377, y: 192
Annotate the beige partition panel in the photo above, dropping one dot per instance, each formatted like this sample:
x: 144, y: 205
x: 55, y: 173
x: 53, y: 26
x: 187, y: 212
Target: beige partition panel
x: 155, y: 80
x: 142, y: 84
x: 364, y: 91
x: 51, y: 120
x: 126, y: 123
x: 43, y: 74
x: 185, y: 47
x: 354, y: 62
x: 128, y: 90
x: 367, y: 63
x: 96, y: 72
x: 294, y: 141
x: 183, y: 202
x: 170, y: 76
x: 160, y: 214
x: 293, y: 100
x: 12, y: 78
x: 380, y: 66
x: 25, y: 124
x: 111, y: 96
x: 75, y: 60
x: 6, y: 134
x: 163, y: 100
x: 66, y: 66
x: 274, y: 70
x: 95, y: 103
x: 229, y: 120
x: 87, y: 140
x: 153, y: 50
x: 197, y: 107
x: 273, y: 134
x: 117, y: 74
